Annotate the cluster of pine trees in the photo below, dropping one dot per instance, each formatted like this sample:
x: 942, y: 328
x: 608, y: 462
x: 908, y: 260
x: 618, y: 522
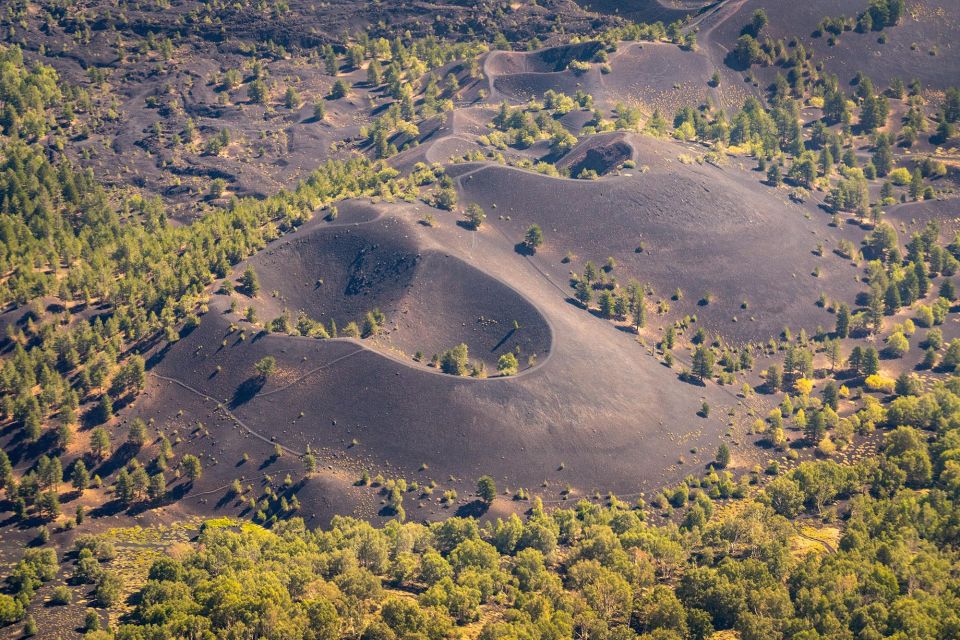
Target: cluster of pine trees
x: 97, y: 279
x: 398, y: 71
x: 593, y: 571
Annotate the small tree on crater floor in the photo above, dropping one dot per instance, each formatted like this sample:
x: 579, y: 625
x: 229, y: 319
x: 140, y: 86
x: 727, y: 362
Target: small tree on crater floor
x: 703, y: 360
x: 723, y: 456
x: 266, y: 366
x: 250, y: 283
x: 508, y: 365
x: 191, y: 467
x: 486, y: 489
x: 339, y: 90
x: 533, y: 238
x: 455, y: 361
x: 475, y: 216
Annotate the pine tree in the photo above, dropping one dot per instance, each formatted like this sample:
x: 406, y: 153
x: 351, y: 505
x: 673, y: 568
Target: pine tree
x: 123, y: 487
x: 605, y: 302
x: 882, y: 155
x: 105, y: 408
x: 79, y: 477
x: 947, y: 290
x: 157, y: 487
x: 191, y: 467
x: 875, y: 311
x: 639, y: 311
x: 475, y: 216
x: 774, y: 378
x: 533, y: 238
x: 871, y: 361
x: 64, y: 436
x: 48, y: 503
x: 32, y: 426
x: 250, y: 282
x: 374, y: 73
x: 723, y: 456
x: 50, y: 472
x: 831, y: 396
x: 816, y: 428
x: 583, y: 292
x: 891, y: 299
x: 6, y: 470
x: 703, y: 362
x: 486, y: 489
x: 319, y: 110
x: 916, y: 184
x: 265, y: 367
x: 291, y: 99
x: 137, y: 436
x: 833, y: 353
x: 774, y: 175
x: 507, y: 365
x: 100, y: 443
x: 139, y: 482
x: 331, y: 65
x: 923, y: 280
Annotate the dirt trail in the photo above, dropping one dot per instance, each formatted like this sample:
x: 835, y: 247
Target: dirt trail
x: 823, y: 543
x: 714, y: 50
x: 598, y: 402
x: 221, y: 407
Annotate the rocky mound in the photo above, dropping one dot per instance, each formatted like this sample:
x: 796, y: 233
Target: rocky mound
x: 597, y: 155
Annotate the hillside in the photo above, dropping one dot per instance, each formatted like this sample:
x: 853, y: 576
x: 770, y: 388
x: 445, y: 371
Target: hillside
x: 479, y: 320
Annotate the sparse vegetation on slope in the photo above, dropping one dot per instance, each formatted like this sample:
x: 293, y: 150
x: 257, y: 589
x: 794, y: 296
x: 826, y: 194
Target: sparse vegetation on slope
x: 780, y: 430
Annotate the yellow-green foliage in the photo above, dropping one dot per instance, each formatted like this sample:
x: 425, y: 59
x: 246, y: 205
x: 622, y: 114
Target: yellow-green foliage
x: 877, y: 382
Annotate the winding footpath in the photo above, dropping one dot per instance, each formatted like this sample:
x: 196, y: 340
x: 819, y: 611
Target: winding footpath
x: 826, y: 545
x: 222, y: 407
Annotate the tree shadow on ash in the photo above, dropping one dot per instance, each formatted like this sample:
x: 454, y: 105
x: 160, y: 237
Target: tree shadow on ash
x: 115, y: 506
x: 246, y: 391
x: 269, y: 461
x: 473, y: 509
x: 174, y: 494
x: 19, y: 448
x: 157, y: 357
x: 509, y: 335
x: 121, y: 456
x: 228, y: 498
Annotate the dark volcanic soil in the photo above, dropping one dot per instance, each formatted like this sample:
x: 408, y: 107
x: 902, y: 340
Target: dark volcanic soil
x: 593, y: 407
x: 432, y: 301
x: 922, y: 46
x: 522, y: 76
x: 704, y: 229
x: 596, y: 405
x: 656, y: 76
x: 143, y: 102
